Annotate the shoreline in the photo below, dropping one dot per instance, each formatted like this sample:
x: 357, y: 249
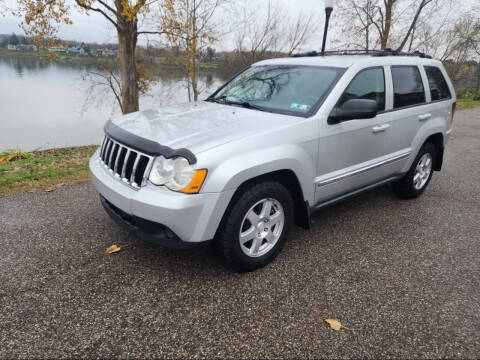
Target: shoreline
x: 93, y: 60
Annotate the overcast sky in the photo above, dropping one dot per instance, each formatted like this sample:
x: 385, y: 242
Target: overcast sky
x: 95, y: 28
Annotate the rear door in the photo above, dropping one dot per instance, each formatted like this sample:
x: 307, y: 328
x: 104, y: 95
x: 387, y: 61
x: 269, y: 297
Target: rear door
x: 410, y: 109
x: 440, y: 106
x: 351, y: 152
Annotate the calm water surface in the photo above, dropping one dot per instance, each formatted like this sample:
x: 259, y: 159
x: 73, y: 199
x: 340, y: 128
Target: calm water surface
x: 48, y: 105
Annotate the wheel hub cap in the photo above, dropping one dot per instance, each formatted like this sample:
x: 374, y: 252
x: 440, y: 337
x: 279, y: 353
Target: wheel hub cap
x: 261, y: 227
x: 422, y: 171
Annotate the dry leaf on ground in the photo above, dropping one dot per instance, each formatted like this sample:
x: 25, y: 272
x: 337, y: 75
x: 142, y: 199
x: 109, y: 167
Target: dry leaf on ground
x: 113, y: 249
x: 336, y: 325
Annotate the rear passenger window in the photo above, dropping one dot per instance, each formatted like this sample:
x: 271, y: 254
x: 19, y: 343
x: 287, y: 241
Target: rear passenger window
x: 438, y: 86
x: 407, y: 86
x: 368, y: 84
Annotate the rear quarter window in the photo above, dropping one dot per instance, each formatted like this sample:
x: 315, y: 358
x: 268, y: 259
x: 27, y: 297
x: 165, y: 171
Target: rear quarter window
x: 407, y: 86
x: 438, y: 85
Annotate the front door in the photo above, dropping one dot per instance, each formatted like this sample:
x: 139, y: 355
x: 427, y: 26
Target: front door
x: 355, y: 153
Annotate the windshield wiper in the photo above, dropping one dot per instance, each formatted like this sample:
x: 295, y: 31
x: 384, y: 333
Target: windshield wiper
x: 219, y: 100
x: 245, y: 104
x: 248, y: 105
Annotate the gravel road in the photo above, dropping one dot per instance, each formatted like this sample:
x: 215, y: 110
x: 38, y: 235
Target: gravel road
x: 404, y: 274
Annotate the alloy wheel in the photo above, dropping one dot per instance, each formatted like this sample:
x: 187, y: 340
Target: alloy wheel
x: 422, y: 171
x: 261, y: 227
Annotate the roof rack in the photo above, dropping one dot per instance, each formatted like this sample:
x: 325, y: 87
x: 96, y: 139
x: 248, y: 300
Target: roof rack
x: 386, y: 52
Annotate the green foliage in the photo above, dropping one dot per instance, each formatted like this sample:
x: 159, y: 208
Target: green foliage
x: 26, y: 171
x: 14, y: 155
x: 14, y: 39
x: 468, y: 94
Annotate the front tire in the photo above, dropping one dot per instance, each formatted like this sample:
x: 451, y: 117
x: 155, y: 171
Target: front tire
x: 414, y: 183
x: 255, y: 226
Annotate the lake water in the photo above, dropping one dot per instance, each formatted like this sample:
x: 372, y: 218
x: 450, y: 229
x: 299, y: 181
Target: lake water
x: 47, y: 105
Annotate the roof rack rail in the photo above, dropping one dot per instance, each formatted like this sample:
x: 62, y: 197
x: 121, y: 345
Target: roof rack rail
x: 386, y: 52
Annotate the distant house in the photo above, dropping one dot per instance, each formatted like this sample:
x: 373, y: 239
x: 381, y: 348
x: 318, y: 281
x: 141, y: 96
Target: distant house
x: 109, y: 52
x: 12, y: 47
x: 59, y: 49
x: 76, y: 50
x: 27, y: 47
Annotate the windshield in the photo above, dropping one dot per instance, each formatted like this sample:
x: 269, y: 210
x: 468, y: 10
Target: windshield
x: 289, y: 89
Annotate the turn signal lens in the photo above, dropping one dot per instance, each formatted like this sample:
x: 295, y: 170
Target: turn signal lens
x: 454, y: 106
x: 196, y: 183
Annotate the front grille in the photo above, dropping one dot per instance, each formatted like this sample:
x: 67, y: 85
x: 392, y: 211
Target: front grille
x: 126, y: 164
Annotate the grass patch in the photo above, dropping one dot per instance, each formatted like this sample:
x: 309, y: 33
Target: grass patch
x: 24, y: 171
x: 463, y: 104
x: 468, y: 98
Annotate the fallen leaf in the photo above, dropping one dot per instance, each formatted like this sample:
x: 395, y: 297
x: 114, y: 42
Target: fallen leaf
x: 113, y: 249
x: 334, y: 324
x: 194, y: 315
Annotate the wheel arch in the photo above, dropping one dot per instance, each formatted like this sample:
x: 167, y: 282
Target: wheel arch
x: 287, y: 178
x: 437, y: 140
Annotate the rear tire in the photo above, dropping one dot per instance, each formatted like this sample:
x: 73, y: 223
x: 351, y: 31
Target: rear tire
x: 255, y: 226
x: 416, y: 180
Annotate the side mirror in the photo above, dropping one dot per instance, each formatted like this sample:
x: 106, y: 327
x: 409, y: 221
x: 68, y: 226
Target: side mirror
x: 354, y: 109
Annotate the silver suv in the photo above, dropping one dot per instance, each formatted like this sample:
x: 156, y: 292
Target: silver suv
x: 283, y: 138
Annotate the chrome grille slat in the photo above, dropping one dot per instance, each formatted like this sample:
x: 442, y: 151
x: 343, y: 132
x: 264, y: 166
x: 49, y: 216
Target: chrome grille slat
x: 134, y: 170
x: 107, y: 151
x: 147, y: 171
x: 119, y: 151
x: 102, y: 149
x: 115, y: 157
x: 111, y: 156
x: 124, y: 167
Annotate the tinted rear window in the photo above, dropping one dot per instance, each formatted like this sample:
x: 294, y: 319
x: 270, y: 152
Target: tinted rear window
x: 438, y: 85
x: 407, y: 86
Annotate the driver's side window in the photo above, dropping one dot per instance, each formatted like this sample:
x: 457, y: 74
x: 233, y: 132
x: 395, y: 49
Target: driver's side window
x: 367, y: 84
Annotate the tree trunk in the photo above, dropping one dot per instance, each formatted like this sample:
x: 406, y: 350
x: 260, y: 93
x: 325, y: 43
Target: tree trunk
x: 195, y: 84
x: 367, y: 35
x: 127, y: 41
x: 388, y: 23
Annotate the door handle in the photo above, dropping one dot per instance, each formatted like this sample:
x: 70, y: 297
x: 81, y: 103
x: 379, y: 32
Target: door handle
x: 424, y: 117
x: 380, y: 128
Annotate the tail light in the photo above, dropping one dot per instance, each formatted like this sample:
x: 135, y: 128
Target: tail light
x: 454, y: 106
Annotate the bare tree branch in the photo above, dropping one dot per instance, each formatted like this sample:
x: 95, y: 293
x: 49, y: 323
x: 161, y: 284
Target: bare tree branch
x: 88, y: 7
x: 414, y: 21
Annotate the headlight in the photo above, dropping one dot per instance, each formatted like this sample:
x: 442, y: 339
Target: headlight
x: 177, y: 174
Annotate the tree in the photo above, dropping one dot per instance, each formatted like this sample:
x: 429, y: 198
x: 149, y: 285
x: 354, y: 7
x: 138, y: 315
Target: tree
x: 210, y: 54
x: 382, y: 23
x: 14, y: 39
x: 189, y: 26
x: 41, y: 19
x: 463, y: 45
x: 269, y: 31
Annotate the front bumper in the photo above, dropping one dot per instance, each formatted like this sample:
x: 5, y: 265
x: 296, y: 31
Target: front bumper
x: 145, y: 230
x: 190, y: 218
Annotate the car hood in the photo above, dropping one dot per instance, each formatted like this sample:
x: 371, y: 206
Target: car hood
x: 199, y: 126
